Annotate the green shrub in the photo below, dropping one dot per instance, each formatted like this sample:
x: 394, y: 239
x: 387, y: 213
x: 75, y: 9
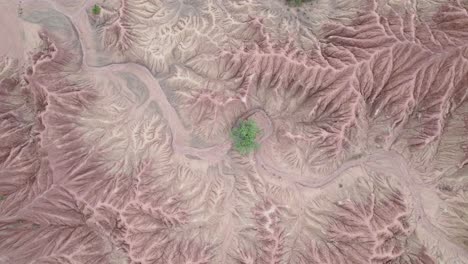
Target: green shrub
x: 244, y: 136
x: 96, y: 10
x: 296, y: 2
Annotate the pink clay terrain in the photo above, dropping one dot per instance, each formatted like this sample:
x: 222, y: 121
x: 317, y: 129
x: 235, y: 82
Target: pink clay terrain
x: 115, y: 132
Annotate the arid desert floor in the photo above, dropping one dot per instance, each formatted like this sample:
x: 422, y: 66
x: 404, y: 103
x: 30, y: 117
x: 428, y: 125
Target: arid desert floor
x: 115, y: 132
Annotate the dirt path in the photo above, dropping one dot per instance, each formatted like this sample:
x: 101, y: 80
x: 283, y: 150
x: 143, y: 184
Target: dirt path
x: 386, y: 161
x: 180, y: 134
x: 394, y: 164
x: 269, y: 168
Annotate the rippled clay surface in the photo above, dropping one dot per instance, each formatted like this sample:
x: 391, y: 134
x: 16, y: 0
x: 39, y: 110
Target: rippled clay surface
x: 115, y: 132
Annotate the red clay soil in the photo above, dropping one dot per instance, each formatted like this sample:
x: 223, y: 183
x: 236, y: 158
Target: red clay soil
x: 115, y: 132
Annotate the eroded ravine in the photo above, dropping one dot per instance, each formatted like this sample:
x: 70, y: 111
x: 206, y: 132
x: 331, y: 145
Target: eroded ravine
x: 181, y: 135
x: 393, y: 164
x: 122, y: 157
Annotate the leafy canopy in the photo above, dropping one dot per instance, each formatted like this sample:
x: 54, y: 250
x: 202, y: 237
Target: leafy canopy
x: 296, y: 2
x: 244, y: 136
x: 96, y: 10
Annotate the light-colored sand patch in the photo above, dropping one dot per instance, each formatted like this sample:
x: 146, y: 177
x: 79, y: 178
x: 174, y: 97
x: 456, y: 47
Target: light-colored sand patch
x: 11, y: 43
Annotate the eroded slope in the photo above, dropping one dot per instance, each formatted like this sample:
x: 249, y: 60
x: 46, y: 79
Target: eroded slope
x: 114, y: 133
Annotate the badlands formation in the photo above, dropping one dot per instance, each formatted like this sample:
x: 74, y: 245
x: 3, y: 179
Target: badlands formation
x: 115, y: 132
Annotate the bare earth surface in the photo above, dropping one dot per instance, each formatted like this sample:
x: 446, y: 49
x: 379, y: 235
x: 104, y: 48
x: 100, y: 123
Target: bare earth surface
x: 115, y: 146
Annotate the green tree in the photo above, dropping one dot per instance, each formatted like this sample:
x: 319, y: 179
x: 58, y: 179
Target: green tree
x: 244, y: 136
x: 96, y: 9
x: 296, y: 2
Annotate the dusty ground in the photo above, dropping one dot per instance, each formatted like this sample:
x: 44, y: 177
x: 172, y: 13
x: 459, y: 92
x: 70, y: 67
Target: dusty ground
x: 114, y: 132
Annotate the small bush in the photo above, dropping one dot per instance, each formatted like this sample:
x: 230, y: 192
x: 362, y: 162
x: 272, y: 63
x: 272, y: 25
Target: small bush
x: 296, y: 2
x: 96, y: 10
x: 244, y: 136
